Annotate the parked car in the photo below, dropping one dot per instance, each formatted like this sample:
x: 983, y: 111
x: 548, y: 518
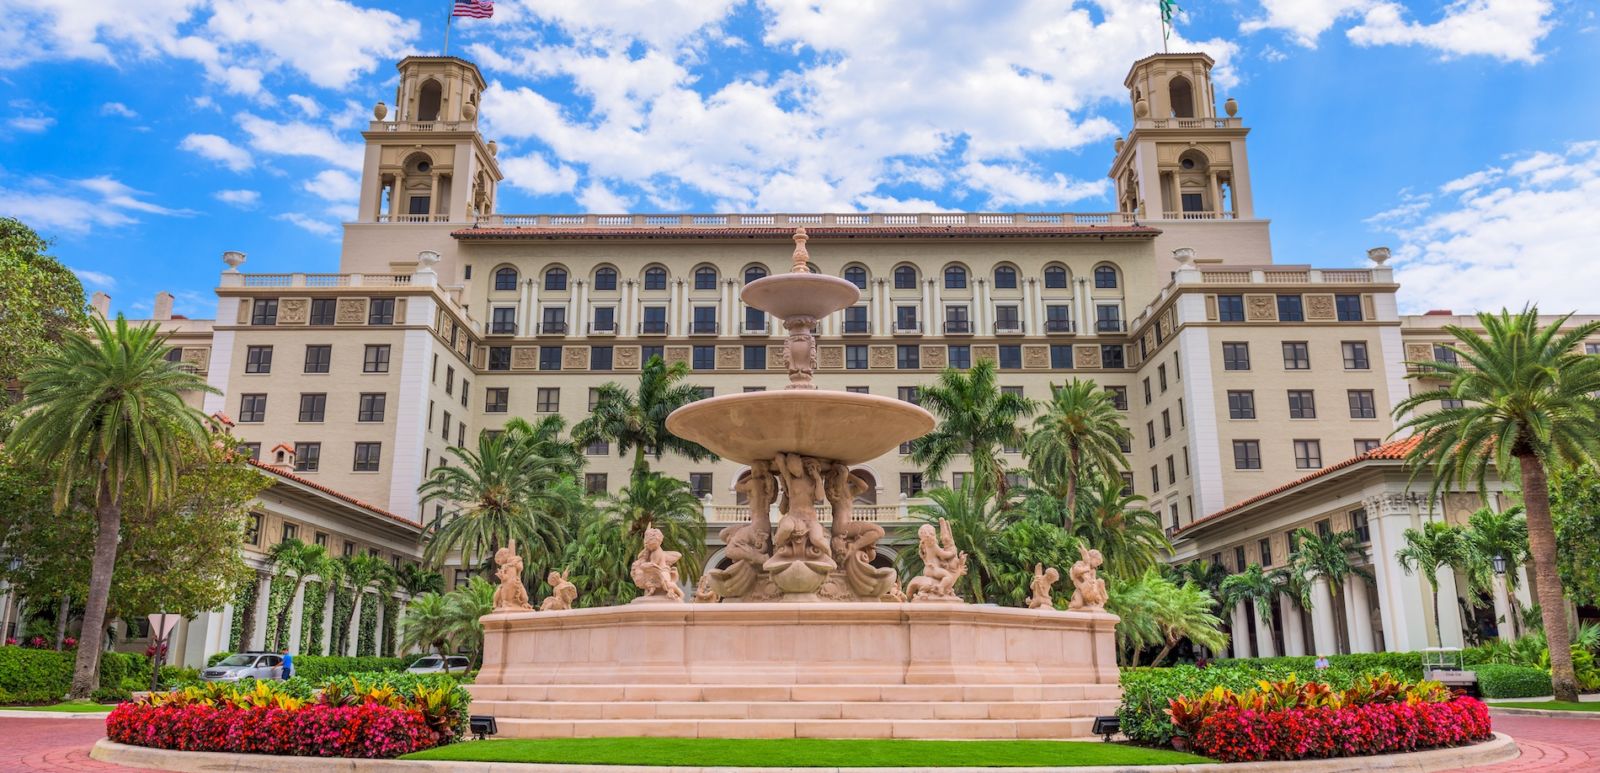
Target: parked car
x: 245, y: 665
x: 431, y: 664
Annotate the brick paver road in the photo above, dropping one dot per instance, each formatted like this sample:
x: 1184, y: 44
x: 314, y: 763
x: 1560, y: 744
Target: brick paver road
x: 1549, y: 745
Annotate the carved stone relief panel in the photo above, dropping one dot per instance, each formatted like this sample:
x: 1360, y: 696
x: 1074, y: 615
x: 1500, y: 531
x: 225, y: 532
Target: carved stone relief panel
x: 1166, y: 324
x: 462, y: 342
x: 1211, y: 308
x: 881, y: 357
x: 524, y: 358
x: 1085, y: 356
x: 1035, y: 356
x: 294, y: 311
x: 1419, y: 352
x: 730, y: 357
x: 626, y: 357
x: 197, y: 357
x: 830, y: 357
x: 574, y: 357
x: 351, y: 311
x: 934, y: 356
x: 1320, y: 307
x: 675, y: 354
x: 983, y: 352
x: 775, y: 357
x: 1369, y: 309
x: 1261, y: 308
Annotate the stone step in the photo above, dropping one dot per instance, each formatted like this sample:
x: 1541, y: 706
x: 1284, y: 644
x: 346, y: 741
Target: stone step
x: 797, y: 728
x: 796, y: 692
x: 793, y: 710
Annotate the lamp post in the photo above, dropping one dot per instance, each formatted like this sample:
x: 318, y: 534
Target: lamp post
x: 1499, y: 562
x: 161, y: 625
x: 1502, y: 599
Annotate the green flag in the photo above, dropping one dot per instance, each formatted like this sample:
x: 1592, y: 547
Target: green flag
x: 1168, y: 7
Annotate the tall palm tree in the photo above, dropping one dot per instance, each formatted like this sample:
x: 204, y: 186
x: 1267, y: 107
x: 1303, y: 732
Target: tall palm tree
x: 1255, y: 587
x: 107, y: 407
x: 415, y: 580
x: 293, y: 558
x: 1436, y: 545
x: 1155, y: 610
x: 1503, y: 534
x: 464, y: 610
x: 1128, y: 535
x: 975, y: 418
x: 1527, y: 397
x: 426, y: 626
x: 668, y: 504
x: 976, y: 522
x: 1080, y: 433
x: 1206, y: 574
x: 542, y: 438
x: 1333, y: 558
x: 637, y: 421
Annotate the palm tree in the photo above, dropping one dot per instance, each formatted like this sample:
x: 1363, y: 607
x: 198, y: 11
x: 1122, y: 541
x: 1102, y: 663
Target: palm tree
x: 1157, y: 611
x: 542, y: 438
x: 1256, y: 588
x: 975, y: 524
x: 1332, y: 557
x: 975, y: 418
x: 426, y: 626
x: 637, y: 422
x: 1437, y: 544
x: 107, y: 407
x: 1503, y: 534
x: 610, y: 538
x: 358, y: 573
x: 1080, y: 433
x: 464, y: 610
x: 415, y: 580
x: 1128, y: 535
x: 1204, y: 573
x: 292, y: 557
x: 1527, y: 401
x: 500, y: 492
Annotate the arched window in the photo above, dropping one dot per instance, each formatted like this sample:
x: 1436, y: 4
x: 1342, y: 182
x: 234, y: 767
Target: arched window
x: 1181, y: 94
x: 857, y: 276
x: 555, y: 279
x: 705, y: 278
x: 505, y: 279
x: 605, y: 279
x: 905, y: 278
x: 428, y: 100
x: 753, y: 273
x: 655, y: 278
x: 1105, y: 277
x: 955, y: 278
x: 1055, y: 277
x: 1005, y: 278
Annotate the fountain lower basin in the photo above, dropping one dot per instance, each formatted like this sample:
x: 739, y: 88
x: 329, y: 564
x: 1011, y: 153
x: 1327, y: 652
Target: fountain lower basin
x: 844, y: 427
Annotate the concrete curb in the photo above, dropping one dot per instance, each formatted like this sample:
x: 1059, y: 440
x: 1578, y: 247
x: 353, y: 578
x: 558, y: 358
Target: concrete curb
x: 1510, y: 712
x: 15, y: 714
x: 1498, y: 749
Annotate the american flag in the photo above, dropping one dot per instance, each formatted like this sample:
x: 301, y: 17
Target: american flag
x: 477, y: 9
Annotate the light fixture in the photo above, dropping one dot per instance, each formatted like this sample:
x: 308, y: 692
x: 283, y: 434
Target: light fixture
x: 1107, y: 726
x: 483, y: 726
x: 1499, y: 562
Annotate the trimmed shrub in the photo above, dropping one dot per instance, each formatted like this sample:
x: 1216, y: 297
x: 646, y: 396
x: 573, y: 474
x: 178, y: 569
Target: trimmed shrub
x: 1501, y: 681
x: 1252, y: 735
x: 35, y: 676
x: 319, y: 668
x: 1403, y: 665
x: 1147, y: 692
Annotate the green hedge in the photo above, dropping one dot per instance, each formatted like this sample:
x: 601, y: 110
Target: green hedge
x: 32, y: 676
x: 1403, y: 665
x: 1146, y: 692
x: 1503, y: 681
x: 316, y: 668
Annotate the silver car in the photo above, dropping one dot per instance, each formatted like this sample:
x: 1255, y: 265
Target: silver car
x: 245, y: 665
x: 431, y: 664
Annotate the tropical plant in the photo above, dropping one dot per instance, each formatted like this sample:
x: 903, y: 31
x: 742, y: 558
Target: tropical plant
x: 1502, y: 534
x: 1113, y: 520
x: 637, y: 421
x: 415, y: 580
x: 611, y: 535
x: 975, y: 418
x: 1527, y: 401
x: 1022, y: 545
x: 108, y: 407
x: 1079, y: 434
x: 1332, y: 557
x: 464, y: 609
x: 1436, y: 545
x: 427, y: 626
x: 1155, y: 611
x: 975, y: 524
x: 1253, y: 586
x: 1204, y: 573
x: 358, y: 574
x: 293, y: 558
x: 40, y: 300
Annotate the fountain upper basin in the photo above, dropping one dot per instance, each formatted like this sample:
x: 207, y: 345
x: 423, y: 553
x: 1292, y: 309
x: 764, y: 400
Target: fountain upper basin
x: 800, y: 295
x: 845, y: 427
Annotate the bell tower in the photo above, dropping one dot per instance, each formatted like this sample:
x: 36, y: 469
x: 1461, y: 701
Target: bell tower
x: 429, y: 164
x: 1181, y: 161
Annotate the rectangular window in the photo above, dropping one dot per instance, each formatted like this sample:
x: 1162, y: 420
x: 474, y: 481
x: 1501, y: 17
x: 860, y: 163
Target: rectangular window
x: 322, y: 311
x: 594, y: 483
x: 1246, y: 454
x: 1445, y: 354
x: 1296, y: 355
x: 1364, y: 445
x: 1006, y: 319
x: 1238, y: 558
x: 368, y: 455
x: 1112, y: 356
x: 905, y: 318
x: 1449, y: 403
x: 252, y: 450
x: 1192, y: 202
x: 855, y: 319
x: 252, y: 530
x: 956, y: 321
x: 1290, y: 309
x: 313, y: 406
x: 755, y: 320
x: 1172, y: 470
x: 1147, y: 394
x: 321, y: 539
x: 380, y: 311
x: 1061, y: 356
x: 1230, y: 308
x: 700, y: 484
x: 1107, y: 318
x: 1155, y: 479
x: 1166, y: 422
x: 449, y: 380
x: 594, y: 398
x: 252, y: 408
x: 1161, y: 378
x: 655, y: 320
x: 264, y: 311
x: 1010, y: 357
x: 1058, y: 318
x: 496, y: 399
x: 597, y: 448
x: 1235, y: 355
x: 1355, y: 355
x: 755, y: 357
x: 549, y: 400
x: 307, y: 457
x: 855, y: 357
x: 1264, y: 547
x: 1241, y: 404
x: 499, y: 358
x: 908, y: 356
x: 705, y: 357
x: 909, y: 394
x: 461, y: 434
x: 376, y: 359
x: 258, y: 359
x: 960, y: 357
x: 1302, y: 404
x: 1308, y: 454
x: 549, y: 358
x: 648, y: 353
x: 1127, y: 483
x: 1348, y: 307
x: 1362, y: 405
x: 705, y: 319
x: 605, y: 319
x: 601, y: 358
x: 503, y: 320
x: 319, y: 357
x: 1358, y: 524
x: 372, y: 406
x: 858, y: 390
x: 1150, y: 432
x: 1119, y: 397
x: 911, y: 483
x: 445, y: 432
x: 553, y: 321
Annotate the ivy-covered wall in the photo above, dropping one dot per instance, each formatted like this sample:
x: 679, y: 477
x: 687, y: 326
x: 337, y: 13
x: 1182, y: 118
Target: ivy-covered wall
x: 315, y: 598
x: 367, y: 631
x: 343, y: 606
x: 391, y: 613
x: 244, y: 599
x: 279, y: 595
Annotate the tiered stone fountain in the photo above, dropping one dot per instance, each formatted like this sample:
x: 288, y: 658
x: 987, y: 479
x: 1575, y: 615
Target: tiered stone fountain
x: 809, y: 640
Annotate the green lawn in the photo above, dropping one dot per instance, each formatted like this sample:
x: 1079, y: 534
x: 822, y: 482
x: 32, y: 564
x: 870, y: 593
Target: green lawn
x: 803, y: 752
x: 64, y: 707
x: 1547, y: 705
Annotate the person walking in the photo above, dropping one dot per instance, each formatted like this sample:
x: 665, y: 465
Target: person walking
x: 287, y: 671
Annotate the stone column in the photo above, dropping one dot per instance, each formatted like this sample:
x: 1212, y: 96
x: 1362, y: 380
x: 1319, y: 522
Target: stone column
x: 207, y: 634
x: 982, y: 314
x: 1241, y: 630
x: 1502, y: 610
x: 577, y: 310
x: 1294, y: 638
x: 1449, y: 610
x: 353, y: 630
x: 935, y: 323
x: 525, y: 307
x: 1361, y: 639
x: 327, y: 620
x: 377, y: 624
x: 1265, y: 646
x: 258, y: 637
x: 1322, y: 619
x: 296, y: 618
x: 1402, y: 597
x: 1080, y: 304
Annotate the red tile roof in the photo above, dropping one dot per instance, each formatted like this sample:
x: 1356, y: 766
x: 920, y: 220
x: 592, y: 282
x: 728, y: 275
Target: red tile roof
x: 1395, y: 451
x: 307, y: 482
x: 815, y: 231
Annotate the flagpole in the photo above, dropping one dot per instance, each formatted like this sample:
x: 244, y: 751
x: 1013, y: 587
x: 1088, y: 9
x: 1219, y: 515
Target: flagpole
x: 447, y: 19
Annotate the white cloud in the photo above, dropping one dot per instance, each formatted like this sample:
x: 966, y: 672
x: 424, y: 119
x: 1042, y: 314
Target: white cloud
x: 1509, y: 30
x: 115, y: 193
x: 1510, y: 237
x: 306, y: 104
x: 535, y: 174
x: 329, y: 41
x: 334, y: 185
x: 216, y: 148
x: 95, y: 278
x: 319, y: 227
x: 241, y: 199
x: 596, y: 197
x: 1010, y: 185
x: 32, y: 124
x: 297, y: 138
x: 118, y: 109
x: 79, y: 206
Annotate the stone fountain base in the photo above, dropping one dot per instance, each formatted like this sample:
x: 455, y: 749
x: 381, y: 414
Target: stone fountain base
x: 822, y: 670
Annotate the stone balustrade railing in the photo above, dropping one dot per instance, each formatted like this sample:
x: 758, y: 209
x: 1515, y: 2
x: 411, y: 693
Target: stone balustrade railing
x: 891, y: 513
x: 316, y: 280
x: 421, y: 126
x: 1080, y: 219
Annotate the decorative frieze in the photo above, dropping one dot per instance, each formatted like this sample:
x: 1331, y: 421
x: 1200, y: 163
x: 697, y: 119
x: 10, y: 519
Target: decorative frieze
x: 830, y: 357
x: 625, y: 358
x: 935, y: 356
x: 197, y: 357
x: 524, y: 358
x: 1261, y: 308
x: 1035, y: 356
x: 982, y: 352
x: 1211, y: 308
x: 730, y: 357
x: 677, y: 354
x: 1369, y: 309
x: 775, y: 357
x: 1419, y: 352
x: 1086, y: 357
x: 1320, y: 307
x: 294, y: 311
x: 351, y: 311
x: 574, y: 357
x: 881, y: 357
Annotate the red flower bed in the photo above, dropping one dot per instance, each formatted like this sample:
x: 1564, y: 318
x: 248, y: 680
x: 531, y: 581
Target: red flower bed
x: 314, y: 730
x: 1251, y: 735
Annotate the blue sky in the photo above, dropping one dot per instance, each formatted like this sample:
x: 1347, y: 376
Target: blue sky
x: 147, y: 136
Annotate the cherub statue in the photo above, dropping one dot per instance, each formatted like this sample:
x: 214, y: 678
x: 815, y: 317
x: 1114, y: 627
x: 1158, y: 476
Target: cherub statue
x: 704, y: 593
x: 655, y: 570
x: 799, y: 534
x: 748, y: 549
x: 511, y: 595
x: 854, y: 542
x: 1042, y: 580
x: 1090, y: 595
x: 761, y: 490
x: 562, y: 592
x: 942, y: 565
